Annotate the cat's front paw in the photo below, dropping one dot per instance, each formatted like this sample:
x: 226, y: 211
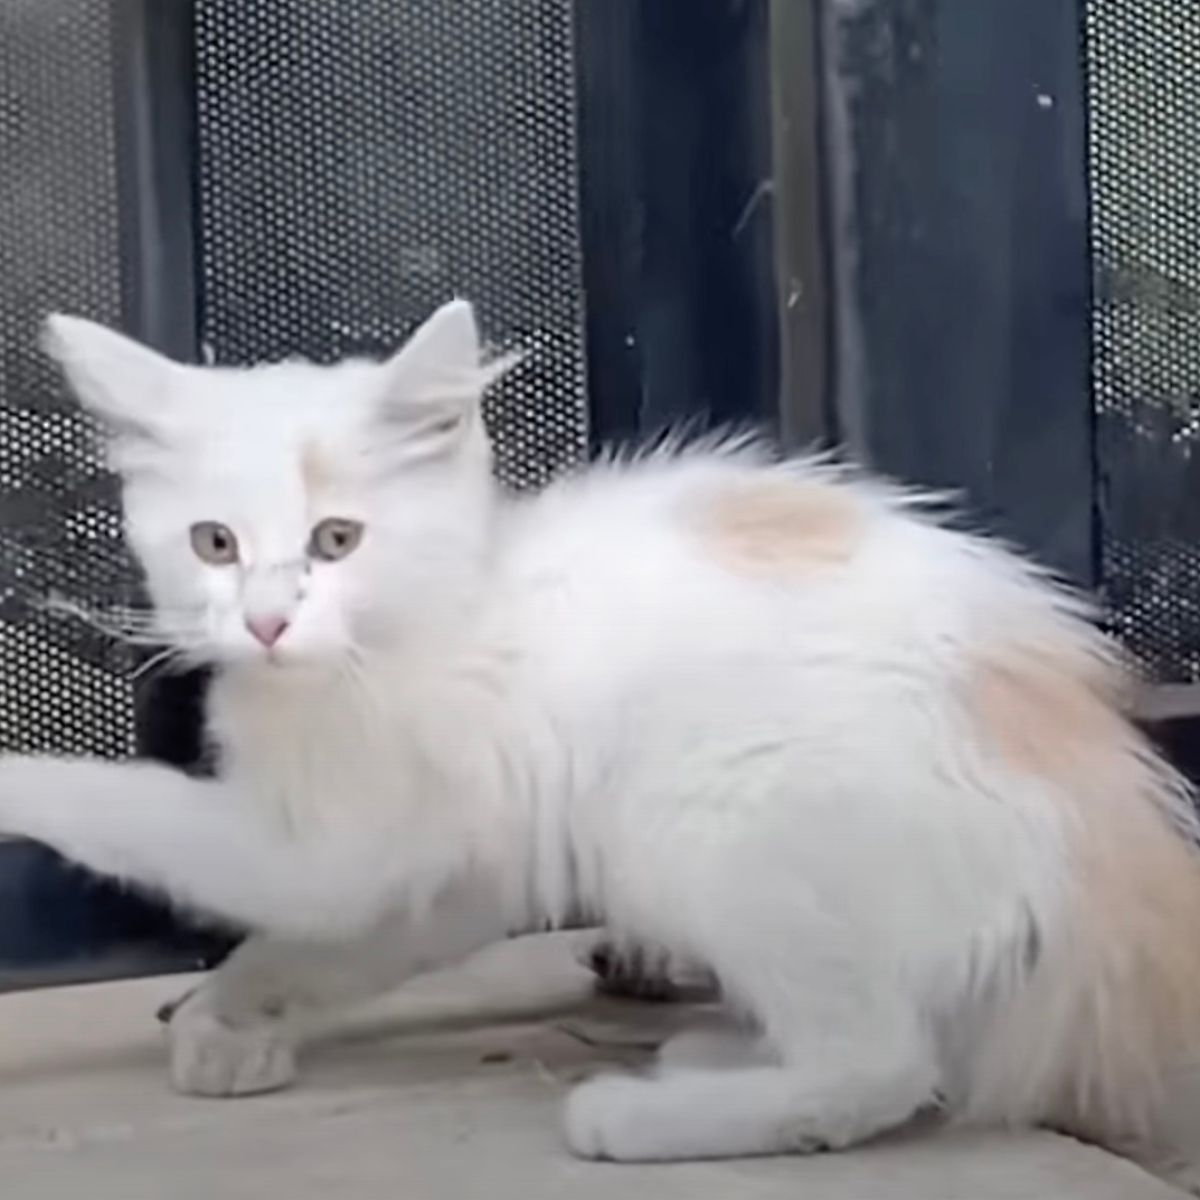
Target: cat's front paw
x: 604, y: 1120
x: 212, y: 1058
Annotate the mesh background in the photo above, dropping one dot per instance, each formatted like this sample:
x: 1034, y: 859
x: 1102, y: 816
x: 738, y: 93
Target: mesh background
x: 61, y: 688
x: 361, y: 163
x: 1143, y: 62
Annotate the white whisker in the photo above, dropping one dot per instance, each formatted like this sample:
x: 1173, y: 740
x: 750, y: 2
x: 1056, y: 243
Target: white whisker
x: 155, y: 663
x: 132, y: 626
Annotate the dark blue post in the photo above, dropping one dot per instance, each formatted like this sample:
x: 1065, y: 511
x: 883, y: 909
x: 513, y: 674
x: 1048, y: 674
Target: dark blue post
x: 957, y: 157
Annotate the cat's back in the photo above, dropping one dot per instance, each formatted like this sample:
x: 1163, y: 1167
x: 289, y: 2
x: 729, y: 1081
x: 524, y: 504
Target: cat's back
x: 718, y: 542
x: 724, y: 506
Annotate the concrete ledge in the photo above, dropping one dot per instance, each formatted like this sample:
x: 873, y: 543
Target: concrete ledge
x: 449, y: 1091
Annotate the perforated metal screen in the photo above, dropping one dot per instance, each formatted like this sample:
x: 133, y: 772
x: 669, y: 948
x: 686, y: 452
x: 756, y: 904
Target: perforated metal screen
x: 1143, y: 59
x: 61, y: 688
x: 361, y: 163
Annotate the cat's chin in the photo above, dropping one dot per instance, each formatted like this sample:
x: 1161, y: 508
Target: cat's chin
x: 281, y: 664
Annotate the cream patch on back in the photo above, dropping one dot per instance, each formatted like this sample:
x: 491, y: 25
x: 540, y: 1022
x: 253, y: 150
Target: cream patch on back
x: 1041, y: 714
x: 780, y: 526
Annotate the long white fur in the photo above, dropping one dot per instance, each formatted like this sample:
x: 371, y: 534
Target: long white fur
x: 497, y: 711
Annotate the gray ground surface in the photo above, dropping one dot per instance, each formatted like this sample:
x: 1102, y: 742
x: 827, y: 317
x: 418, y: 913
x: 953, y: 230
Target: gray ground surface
x: 449, y: 1091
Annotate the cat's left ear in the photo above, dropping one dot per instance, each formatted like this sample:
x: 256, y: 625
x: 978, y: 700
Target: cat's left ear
x: 431, y: 388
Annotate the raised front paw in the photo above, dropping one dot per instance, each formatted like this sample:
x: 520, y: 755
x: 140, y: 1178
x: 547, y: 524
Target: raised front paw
x: 212, y: 1058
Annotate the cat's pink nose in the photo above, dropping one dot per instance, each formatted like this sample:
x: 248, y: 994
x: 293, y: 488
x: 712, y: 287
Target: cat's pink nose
x: 267, y: 629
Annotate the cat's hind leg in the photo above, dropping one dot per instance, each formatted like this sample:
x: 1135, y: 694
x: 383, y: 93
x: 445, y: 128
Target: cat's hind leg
x: 841, y: 1058
x: 727, y: 1109
x: 713, y: 1046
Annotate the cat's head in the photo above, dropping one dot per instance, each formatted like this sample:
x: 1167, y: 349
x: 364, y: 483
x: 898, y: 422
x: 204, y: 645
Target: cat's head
x: 293, y: 513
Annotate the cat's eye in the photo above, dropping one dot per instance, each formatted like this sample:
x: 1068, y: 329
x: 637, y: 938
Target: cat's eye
x: 214, y: 543
x: 334, y: 538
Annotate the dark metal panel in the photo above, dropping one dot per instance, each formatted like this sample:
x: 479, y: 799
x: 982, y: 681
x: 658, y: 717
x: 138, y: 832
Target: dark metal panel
x: 801, y: 274
x: 611, y: 212
x: 62, y: 925
x: 154, y: 73
x: 154, y: 93
x: 1178, y: 737
x: 957, y: 139
x: 678, y: 201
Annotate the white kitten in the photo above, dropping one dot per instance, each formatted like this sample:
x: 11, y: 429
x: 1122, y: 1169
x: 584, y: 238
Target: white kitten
x: 870, y: 772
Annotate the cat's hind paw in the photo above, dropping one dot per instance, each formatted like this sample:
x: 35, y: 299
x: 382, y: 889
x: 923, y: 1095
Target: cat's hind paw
x: 211, y: 1058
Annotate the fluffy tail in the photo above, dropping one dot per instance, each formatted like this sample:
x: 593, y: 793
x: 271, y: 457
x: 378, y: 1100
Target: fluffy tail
x: 1099, y: 1036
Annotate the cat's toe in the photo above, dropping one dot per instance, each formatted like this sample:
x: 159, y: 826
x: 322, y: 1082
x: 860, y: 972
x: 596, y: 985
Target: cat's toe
x: 211, y: 1058
x: 601, y: 1120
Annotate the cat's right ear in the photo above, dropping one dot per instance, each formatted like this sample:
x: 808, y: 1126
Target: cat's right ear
x: 121, y: 381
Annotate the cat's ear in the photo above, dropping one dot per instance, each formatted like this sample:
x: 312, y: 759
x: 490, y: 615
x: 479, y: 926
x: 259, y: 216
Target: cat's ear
x: 429, y: 391
x: 121, y: 381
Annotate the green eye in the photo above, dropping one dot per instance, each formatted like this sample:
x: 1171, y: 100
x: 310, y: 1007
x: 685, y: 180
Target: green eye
x: 334, y: 538
x: 214, y: 543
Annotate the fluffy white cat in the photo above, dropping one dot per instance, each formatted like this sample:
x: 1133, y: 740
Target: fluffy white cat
x: 871, y: 772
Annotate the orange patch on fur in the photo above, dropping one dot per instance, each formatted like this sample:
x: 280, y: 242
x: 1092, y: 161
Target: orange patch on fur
x: 781, y: 526
x: 314, y: 469
x: 1042, y: 713
x: 1054, y: 713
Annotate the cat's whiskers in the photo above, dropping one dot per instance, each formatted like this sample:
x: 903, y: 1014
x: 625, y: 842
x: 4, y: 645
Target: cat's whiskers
x: 158, y: 663
x: 129, y: 625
